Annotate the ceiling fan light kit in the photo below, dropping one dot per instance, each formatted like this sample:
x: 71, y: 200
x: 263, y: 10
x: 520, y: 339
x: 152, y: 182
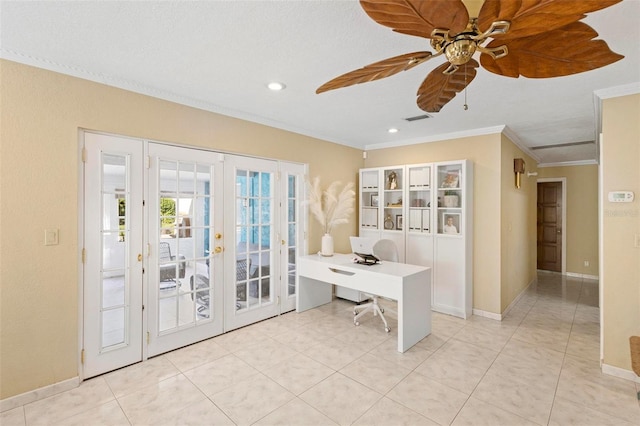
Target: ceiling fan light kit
x: 535, y: 39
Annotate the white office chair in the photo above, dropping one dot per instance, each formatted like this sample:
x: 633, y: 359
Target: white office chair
x: 384, y: 250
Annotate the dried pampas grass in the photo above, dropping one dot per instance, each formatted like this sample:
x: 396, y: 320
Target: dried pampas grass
x: 330, y: 207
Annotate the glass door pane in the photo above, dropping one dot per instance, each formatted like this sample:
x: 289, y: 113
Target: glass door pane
x: 183, y: 246
x: 450, y: 195
x: 369, y: 200
x: 115, y: 233
x: 254, y: 231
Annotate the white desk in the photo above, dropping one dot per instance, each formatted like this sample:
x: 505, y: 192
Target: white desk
x: 410, y: 285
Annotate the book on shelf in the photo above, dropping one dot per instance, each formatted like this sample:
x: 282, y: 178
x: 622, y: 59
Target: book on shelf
x: 419, y: 178
x: 415, y: 220
x: 370, y: 217
x: 426, y: 218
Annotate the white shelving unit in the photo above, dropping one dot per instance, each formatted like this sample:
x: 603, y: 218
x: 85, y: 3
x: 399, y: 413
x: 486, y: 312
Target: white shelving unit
x: 452, y: 250
x: 419, y: 232
x: 427, y: 210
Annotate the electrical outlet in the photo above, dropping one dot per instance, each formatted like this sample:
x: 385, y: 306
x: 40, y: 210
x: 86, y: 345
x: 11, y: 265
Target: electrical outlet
x: 586, y: 263
x: 50, y: 237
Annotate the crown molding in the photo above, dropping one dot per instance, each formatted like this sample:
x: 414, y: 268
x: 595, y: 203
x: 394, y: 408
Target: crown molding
x: 568, y: 163
x: 517, y: 142
x: 437, y: 138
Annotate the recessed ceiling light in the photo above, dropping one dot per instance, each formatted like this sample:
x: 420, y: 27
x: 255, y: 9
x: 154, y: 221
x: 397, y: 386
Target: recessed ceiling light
x: 392, y: 130
x: 275, y: 86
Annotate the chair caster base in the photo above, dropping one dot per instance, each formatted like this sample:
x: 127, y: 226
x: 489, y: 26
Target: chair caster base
x: 356, y: 323
x: 387, y: 329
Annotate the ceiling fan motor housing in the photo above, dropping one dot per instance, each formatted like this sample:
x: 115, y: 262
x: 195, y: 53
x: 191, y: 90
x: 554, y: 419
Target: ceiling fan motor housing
x: 460, y: 51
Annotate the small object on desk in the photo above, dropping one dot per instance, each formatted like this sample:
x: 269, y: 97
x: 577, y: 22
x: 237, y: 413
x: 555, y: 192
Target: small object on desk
x: 366, y: 259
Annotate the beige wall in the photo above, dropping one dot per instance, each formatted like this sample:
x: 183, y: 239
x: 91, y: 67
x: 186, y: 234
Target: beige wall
x: 582, y: 216
x: 504, y: 248
x: 40, y: 116
x: 517, y: 225
x: 620, y: 270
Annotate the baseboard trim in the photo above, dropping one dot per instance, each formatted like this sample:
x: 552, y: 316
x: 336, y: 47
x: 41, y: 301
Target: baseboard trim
x: 448, y: 310
x: 620, y: 372
x: 517, y: 299
x: 38, y: 394
x: 487, y: 314
x: 583, y: 276
x: 500, y: 317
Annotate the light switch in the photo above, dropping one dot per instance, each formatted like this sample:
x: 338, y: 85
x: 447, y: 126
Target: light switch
x: 51, y: 237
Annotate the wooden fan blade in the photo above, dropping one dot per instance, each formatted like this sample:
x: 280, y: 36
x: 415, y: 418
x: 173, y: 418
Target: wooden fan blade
x: 565, y: 51
x: 438, y: 88
x: 531, y: 17
x: 418, y: 17
x: 376, y: 71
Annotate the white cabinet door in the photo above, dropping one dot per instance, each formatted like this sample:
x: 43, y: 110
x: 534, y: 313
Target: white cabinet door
x: 453, y: 232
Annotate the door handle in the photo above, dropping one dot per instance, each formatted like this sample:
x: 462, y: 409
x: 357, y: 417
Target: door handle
x: 139, y: 257
x: 217, y: 250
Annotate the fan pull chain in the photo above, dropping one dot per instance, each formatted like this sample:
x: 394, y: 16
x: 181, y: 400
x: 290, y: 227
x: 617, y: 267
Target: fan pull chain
x: 465, y: 106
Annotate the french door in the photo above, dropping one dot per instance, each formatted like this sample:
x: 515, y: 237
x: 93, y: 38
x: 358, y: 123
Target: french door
x: 185, y: 258
x: 266, y: 235
x: 292, y: 230
x: 182, y: 245
x: 113, y: 253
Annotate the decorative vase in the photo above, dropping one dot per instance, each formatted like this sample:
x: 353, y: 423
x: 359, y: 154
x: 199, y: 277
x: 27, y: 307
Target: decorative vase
x: 327, y: 245
x: 451, y: 201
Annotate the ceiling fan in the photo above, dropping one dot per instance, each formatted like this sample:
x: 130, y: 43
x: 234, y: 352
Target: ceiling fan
x: 532, y: 38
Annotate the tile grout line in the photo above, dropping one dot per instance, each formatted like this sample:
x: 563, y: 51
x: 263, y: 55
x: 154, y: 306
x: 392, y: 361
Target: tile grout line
x: 487, y: 370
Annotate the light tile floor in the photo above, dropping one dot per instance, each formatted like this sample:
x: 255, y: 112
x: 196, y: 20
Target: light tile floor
x: 539, y: 366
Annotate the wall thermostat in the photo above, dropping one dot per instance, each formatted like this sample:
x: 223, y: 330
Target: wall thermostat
x: 621, y: 196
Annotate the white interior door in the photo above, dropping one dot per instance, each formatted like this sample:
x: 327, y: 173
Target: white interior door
x: 185, y: 272
x: 113, y: 279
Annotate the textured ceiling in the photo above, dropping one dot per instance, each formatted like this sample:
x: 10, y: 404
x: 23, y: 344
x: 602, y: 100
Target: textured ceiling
x: 219, y: 56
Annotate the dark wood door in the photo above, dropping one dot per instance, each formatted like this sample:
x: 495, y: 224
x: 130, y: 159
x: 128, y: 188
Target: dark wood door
x: 550, y: 226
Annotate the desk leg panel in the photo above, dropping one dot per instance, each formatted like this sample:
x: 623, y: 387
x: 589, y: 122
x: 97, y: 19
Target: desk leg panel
x: 414, y: 311
x: 312, y: 293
